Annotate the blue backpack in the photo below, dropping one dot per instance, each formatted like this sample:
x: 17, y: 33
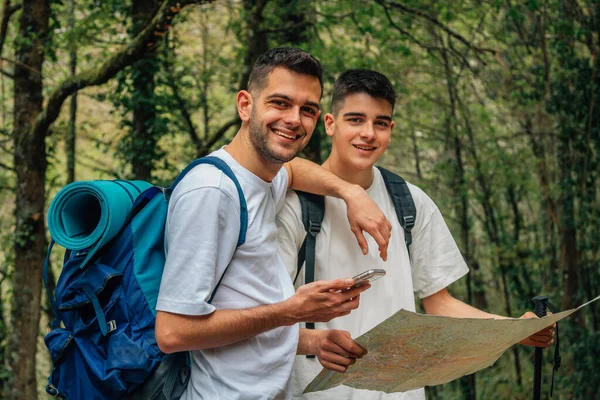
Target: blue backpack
x: 105, y: 297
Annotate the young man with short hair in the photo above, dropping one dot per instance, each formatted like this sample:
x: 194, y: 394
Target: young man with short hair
x: 360, y: 126
x: 243, y: 343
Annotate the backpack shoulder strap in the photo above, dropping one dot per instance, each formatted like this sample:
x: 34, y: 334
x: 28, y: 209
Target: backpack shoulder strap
x: 403, y: 202
x: 221, y: 165
x: 313, y: 211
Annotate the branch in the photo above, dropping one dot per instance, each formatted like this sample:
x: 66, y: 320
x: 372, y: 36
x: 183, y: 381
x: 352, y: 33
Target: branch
x: 218, y: 135
x: 172, y: 82
x: 407, y: 34
x: 6, y: 73
x: 4, y: 274
x: 7, y: 167
x: 7, y: 12
x: 97, y: 165
x: 287, y: 27
x: 187, y: 118
x: 5, y: 149
x: 435, y: 21
x: 147, y: 39
x: 20, y: 64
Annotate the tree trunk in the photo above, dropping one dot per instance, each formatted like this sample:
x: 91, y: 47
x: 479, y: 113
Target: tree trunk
x: 30, y: 166
x: 144, y: 135
x: 568, y: 233
x: 256, y: 44
x: 70, y: 141
x: 467, y: 383
x: 256, y: 38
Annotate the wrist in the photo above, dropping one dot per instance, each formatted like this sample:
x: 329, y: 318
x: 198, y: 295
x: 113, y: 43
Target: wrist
x: 310, y: 341
x: 285, y: 311
x: 347, y: 191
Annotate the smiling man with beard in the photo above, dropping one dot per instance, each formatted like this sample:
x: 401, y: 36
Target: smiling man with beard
x: 243, y: 343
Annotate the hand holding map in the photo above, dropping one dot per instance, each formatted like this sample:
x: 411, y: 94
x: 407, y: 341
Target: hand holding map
x: 408, y: 350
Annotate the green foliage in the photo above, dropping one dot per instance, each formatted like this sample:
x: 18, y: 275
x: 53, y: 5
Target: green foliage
x: 514, y: 135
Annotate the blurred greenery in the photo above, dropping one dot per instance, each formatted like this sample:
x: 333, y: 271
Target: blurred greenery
x: 498, y: 119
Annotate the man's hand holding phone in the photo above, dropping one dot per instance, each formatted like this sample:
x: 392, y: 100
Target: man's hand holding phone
x: 323, y: 301
x: 368, y: 276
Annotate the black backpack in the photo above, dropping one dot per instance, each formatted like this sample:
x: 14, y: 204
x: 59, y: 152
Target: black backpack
x: 313, y: 211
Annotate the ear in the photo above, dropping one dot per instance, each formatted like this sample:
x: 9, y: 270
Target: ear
x: 329, y: 121
x: 244, y: 105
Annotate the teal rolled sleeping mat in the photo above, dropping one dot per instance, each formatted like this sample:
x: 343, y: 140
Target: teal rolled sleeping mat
x: 88, y: 214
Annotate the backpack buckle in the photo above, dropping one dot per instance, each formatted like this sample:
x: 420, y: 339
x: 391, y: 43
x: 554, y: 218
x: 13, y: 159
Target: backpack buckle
x: 51, y: 390
x: 314, y: 228
x: 112, y: 326
x: 409, y: 221
x: 166, y: 193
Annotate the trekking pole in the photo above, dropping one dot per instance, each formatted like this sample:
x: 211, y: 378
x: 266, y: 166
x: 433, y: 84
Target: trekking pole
x: 540, y: 303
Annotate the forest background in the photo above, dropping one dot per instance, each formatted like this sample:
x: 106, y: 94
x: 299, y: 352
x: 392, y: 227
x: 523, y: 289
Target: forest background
x: 498, y: 119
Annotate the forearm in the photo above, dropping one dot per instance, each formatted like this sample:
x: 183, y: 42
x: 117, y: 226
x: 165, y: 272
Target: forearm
x: 309, y: 177
x: 442, y: 303
x: 177, y: 332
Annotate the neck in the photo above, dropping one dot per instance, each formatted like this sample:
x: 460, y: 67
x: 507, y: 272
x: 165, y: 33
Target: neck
x: 242, y: 151
x: 361, y: 177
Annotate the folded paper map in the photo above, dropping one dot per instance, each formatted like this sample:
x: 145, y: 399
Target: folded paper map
x: 409, y: 351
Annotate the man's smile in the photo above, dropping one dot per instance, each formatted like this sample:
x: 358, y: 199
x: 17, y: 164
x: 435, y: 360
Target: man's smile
x: 364, y: 147
x: 286, y: 133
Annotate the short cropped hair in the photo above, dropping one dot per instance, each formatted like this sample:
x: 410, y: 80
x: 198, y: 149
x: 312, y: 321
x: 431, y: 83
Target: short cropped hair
x: 366, y: 81
x: 291, y: 58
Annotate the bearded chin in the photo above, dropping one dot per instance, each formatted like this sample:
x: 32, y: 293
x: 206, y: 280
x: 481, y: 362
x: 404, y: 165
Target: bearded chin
x: 258, y: 137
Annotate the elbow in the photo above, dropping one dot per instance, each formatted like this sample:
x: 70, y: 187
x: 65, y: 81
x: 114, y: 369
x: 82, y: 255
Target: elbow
x: 437, y: 303
x: 165, y: 343
x: 166, y: 337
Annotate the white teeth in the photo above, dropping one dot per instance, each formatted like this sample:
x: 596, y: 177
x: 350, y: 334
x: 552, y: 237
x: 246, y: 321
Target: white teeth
x: 284, y: 135
x: 364, y: 148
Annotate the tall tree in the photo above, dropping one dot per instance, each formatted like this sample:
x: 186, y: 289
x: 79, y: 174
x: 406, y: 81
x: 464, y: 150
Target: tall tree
x: 31, y: 127
x: 71, y: 133
x: 30, y: 165
x: 146, y: 130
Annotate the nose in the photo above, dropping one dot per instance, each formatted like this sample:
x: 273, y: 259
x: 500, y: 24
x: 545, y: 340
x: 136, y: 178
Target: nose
x: 292, y: 116
x: 368, y: 133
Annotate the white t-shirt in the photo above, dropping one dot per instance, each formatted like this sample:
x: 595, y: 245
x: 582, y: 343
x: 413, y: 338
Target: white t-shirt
x: 437, y: 262
x: 202, y: 230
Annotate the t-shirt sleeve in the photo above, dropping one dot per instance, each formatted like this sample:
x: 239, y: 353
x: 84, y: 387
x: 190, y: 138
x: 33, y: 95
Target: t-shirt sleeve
x: 202, y: 232
x: 279, y: 187
x: 436, y: 259
x: 290, y: 232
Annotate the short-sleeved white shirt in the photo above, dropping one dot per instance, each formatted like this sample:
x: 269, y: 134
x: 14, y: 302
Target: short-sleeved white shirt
x: 201, y: 234
x: 436, y: 263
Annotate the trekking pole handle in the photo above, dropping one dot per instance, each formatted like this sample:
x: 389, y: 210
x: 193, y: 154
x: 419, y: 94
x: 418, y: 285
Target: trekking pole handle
x: 540, y: 303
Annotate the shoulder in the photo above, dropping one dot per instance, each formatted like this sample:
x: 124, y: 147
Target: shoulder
x: 290, y: 229
x: 205, y: 178
x: 424, y: 205
x: 281, y: 179
x: 279, y: 186
x: 291, y: 211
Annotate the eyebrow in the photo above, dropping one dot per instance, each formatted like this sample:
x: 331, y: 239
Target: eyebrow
x: 358, y: 114
x: 288, y: 98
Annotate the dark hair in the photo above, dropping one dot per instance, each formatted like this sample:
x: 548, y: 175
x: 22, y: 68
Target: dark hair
x: 365, y: 81
x: 294, y: 59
